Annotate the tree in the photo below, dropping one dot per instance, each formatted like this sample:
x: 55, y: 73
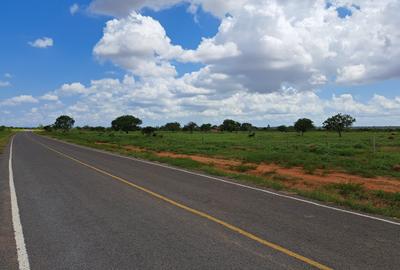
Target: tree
x: 339, y: 123
x: 282, y: 128
x: 148, y: 130
x: 64, y: 122
x: 205, y: 127
x: 230, y: 125
x: 302, y: 125
x: 191, y: 126
x: 246, y: 127
x: 126, y: 123
x: 173, y: 126
x: 48, y: 128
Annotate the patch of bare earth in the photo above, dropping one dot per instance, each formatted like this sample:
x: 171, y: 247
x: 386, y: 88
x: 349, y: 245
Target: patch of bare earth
x: 294, y: 177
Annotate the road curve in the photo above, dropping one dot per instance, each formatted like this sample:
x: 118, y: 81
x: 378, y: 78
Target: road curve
x: 83, y: 209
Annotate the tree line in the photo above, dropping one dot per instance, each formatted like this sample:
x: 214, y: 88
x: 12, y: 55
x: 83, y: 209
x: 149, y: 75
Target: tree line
x: 126, y: 123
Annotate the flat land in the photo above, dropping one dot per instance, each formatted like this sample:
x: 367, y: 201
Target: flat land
x: 86, y: 209
x: 361, y: 170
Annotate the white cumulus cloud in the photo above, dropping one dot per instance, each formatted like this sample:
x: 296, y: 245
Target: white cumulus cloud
x: 264, y: 45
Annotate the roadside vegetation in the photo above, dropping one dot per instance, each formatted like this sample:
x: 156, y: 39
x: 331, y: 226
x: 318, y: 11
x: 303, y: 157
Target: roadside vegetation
x: 357, y: 168
x: 5, y: 134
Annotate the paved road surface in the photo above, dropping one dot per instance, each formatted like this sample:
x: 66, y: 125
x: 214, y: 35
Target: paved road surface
x: 82, y: 209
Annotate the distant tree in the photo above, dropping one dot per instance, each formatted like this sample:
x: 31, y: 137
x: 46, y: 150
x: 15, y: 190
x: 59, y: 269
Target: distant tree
x: 302, y: 125
x: 48, y: 128
x: 230, y: 125
x: 246, y: 127
x: 148, y: 130
x: 339, y: 123
x: 282, y: 128
x: 191, y: 126
x: 126, y: 123
x: 98, y: 128
x: 205, y: 127
x: 64, y: 122
x: 173, y: 126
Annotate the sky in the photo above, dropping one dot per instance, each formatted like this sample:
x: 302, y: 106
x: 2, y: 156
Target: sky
x: 267, y: 62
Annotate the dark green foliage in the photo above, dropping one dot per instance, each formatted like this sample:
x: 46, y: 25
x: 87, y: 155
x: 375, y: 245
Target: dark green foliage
x: 339, y: 123
x: 126, y: 123
x: 48, y: 128
x: 205, y: 127
x: 191, y: 126
x: 64, y: 122
x: 302, y: 125
x: 230, y: 125
x: 246, y: 127
x: 173, y: 126
x: 148, y: 130
x: 282, y: 128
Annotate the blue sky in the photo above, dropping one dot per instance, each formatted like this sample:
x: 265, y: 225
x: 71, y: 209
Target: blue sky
x: 198, y: 66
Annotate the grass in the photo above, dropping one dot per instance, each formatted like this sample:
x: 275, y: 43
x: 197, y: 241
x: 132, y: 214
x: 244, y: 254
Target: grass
x: 316, y: 150
x: 353, y: 153
x: 5, y: 135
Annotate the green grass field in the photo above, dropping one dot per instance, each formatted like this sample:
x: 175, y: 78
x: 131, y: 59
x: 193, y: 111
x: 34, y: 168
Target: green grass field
x: 353, y: 153
x: 5, y: 135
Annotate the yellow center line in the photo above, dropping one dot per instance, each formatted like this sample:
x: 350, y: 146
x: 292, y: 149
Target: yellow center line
x: 201, y: 214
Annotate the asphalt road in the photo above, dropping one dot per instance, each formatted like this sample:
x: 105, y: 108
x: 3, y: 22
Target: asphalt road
x: 83, y: 209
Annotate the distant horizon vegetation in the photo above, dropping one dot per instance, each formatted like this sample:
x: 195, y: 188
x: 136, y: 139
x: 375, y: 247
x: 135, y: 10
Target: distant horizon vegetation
x: 284, y: 128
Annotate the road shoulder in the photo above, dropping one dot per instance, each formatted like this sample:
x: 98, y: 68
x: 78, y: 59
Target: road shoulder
x: 8, y: 255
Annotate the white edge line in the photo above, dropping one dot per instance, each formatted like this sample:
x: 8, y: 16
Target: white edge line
x: 233, y: 183
x: 22, y: 254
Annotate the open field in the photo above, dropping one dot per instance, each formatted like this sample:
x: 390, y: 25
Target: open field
x: 347, y: 171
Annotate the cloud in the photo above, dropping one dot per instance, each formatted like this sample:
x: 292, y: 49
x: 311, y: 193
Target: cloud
x: 42, y: 43
x: 139, y: 44
x: 159, y: 100
x: 209, y: 51
x: 354, y: 73
x: 19, y: 100
x: 74, y: 9
x: 264, y: 45
x: 49, y: 97
x: 4, y: 84
x: 72, y: 89
x: 8, y: 75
